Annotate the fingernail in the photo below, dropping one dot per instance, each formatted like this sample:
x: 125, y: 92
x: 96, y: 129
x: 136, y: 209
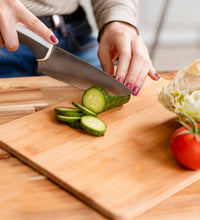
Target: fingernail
x: 54, y: 39
x: 157, y: 75
x: 120, y: 79
x: 136, y: 90
x: 129, y: 85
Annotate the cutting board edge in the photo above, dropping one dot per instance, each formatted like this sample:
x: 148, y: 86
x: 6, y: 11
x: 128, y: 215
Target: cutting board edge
x: 89, y: 201
x: 163, y: 197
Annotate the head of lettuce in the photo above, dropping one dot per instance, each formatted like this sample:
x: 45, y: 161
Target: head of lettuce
x: 182, y: 94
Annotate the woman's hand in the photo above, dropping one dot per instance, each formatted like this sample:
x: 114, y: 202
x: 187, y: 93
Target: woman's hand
x: 122, y: 40
x: 12, y: 12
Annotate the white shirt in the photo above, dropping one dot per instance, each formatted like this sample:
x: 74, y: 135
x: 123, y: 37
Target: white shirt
x: 104, y: 10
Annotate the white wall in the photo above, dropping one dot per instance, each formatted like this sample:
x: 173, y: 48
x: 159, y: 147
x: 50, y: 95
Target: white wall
x: 182, y: 24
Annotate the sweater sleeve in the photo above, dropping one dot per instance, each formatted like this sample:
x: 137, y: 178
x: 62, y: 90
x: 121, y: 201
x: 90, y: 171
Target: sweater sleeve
x: 106, y: 11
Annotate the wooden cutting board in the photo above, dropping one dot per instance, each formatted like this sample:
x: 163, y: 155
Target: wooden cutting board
x: 122, y: 174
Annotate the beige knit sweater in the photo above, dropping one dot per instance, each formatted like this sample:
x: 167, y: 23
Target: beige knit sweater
x: 104, y: 10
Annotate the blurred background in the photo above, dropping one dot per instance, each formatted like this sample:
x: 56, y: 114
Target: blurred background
x: 170, y: 29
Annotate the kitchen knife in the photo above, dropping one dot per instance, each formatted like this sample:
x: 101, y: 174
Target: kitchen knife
x: 64, y: 66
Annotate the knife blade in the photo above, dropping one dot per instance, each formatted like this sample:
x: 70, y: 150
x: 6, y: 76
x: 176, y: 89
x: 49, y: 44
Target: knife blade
x: 64, y: 66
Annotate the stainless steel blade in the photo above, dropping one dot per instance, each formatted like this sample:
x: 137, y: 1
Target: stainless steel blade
x: 66, y: 67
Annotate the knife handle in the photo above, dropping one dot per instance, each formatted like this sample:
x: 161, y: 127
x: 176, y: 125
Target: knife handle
x: 41, y: 48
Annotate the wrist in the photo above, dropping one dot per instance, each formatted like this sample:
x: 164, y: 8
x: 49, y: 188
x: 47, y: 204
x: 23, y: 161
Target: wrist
x: 117, y: 26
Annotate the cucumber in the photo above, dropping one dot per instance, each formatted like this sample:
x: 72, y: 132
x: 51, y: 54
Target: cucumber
x: 68, y: 119
x: 83, y: 109
x: 68, y: 111
x: 97, y: 100
x: 93, y: 125
x: 71, y: 114
x: 75, y: 124
x: 94, y: 100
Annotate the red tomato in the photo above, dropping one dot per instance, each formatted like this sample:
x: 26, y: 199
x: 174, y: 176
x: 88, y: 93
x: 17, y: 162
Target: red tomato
x: 186, y: 148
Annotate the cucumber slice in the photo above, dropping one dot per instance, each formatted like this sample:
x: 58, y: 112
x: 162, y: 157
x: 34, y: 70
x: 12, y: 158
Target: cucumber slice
x: 71, y: 114
x: 93, y: 125
x: 68, y: 119
x: 83, y: 109
x: 68, y: 111
x: 76, y: 124
x: 94, y: 99
x: 97, y: 100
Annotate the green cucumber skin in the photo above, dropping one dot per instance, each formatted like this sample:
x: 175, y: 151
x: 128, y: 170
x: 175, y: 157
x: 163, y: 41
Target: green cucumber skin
x: 111, y: 101
x: 98, y: 134
x: 76, y: 125
x: 67, y: 109
x: 95, y: 133
x: 115, y: 101
x: 67, y: 119
x: 91, y: 130
x: 71, y: 114
x: 84, y: 110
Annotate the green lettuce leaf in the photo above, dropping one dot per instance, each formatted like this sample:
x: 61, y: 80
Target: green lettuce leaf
x: 183, y: 92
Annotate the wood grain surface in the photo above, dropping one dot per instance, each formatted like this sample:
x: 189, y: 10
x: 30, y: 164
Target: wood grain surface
x: 112, y: 190
x: 54, y: 202
x: 24, y: 193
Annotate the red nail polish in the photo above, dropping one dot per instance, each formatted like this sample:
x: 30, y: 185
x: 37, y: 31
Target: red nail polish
x: 136, y: 90
x: 129, y: 85
x: 120, y: 79
x: 54, y: 39
x: 157, y: 75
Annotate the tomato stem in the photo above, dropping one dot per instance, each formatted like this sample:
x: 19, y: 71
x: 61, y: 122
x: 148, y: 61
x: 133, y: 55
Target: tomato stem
x: 194, y: 129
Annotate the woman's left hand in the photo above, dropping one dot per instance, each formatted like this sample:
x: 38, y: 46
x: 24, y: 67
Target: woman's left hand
x: 134, y: 64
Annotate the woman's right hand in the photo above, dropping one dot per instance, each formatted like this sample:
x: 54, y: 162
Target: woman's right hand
x: 13, y: 12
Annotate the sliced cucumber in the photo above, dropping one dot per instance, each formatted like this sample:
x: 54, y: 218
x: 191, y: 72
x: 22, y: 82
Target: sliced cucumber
x: 71, y: 114
x: 93, y: 125
x: 75, y: 124
x: 68, y: 119
x: 83, y: 109
x: 97, y: 100
x: 68, y: 111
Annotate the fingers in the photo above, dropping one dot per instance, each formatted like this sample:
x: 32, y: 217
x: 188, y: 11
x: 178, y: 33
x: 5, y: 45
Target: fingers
x: 123, y: 61
x: 139, y: 67
x: 33, y: 23
x: 135, y: 67
x: 1, y: 41
x: 153, y: 74
x: 140, y: 78
x: 12, y: 12
x: 134, y: 63
x: 8, y: 31
x: 106, y: 59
